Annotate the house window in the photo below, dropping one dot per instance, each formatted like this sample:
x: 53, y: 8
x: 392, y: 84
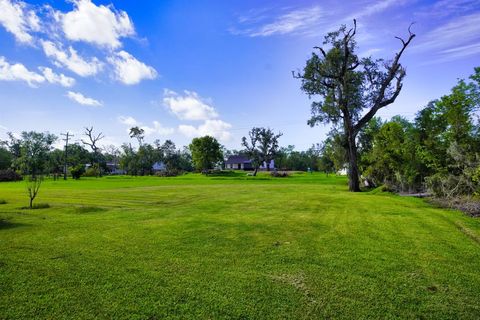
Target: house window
x: 239, y: 166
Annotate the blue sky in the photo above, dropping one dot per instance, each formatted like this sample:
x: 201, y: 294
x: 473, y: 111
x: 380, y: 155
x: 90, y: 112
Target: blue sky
x: 181, y: 69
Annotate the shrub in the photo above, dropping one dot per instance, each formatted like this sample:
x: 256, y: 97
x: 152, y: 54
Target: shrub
x: 91, y: 172
x: 220, y: 173
x: 77, y: 171
x: 9, y: 175
x: 279, y: 174
x: 451, y: 185
x: 470, y: 206
x: 169, y: 173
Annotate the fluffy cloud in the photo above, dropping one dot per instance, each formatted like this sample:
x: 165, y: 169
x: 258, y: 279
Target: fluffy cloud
x: 189, y: 106
x: 71, y: 60
x: 129, y: 121
x: 129, y: 70
x: 18, y: 72
x: 215, y: 128
x: 157, y: 127
x: 18, y: 20
x: 100, y: 25
x: 81, y: 99
x: 60, y: 79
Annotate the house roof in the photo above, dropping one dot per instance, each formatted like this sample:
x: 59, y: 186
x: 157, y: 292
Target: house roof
x: 237, y: 159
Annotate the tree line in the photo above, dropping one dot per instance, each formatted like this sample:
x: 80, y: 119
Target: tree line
x: 438, y: 151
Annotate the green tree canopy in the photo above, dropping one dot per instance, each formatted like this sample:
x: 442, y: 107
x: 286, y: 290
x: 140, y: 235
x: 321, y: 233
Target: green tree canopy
x: 206, y: 152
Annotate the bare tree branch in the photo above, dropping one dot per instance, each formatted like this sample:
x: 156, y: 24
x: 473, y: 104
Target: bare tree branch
x: 395, y: 71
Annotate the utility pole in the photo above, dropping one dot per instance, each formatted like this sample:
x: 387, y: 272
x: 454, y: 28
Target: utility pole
x: 65, y: 164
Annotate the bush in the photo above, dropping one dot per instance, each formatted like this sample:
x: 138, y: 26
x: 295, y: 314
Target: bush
x: 169, y: 173
x: 220, y: 173
x: 77, y: 171
x: 468, y: 205
x: 9, y: 175
x: 279, y: 174
x: 450, y: 185
x: 91, y: 172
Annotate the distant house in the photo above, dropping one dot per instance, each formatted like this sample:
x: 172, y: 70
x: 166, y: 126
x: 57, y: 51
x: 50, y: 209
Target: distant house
x: 240, y: 162
x: 159, y: 166
x: 114, y: 168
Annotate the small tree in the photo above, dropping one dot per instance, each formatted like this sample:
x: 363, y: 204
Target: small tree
x: 352, y: 89
x: 251, y: 149
x: 206, y: 152
x: 33, y: 186
x: 34, y: 150
x: 262, y: 147
x: 92, y: 143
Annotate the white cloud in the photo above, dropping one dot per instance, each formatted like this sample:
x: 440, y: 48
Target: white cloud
x: 100, y: 25
x: 129, y: 121
x: 81, y: 99
x: 375, y: 7
x: 129, y: 70
x: 189, y: 106
x: 71, y: 60
x: 18, y: 72
x: 458, y: 38
x: 215, y: 128
x: 54, y: 78
x: 370, y: 52
x: 18, y: 20
x: 294, y: 21
x: 445, y: 8
x: 157, y: 127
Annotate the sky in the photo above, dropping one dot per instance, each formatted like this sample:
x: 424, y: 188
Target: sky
x: 181, y: 69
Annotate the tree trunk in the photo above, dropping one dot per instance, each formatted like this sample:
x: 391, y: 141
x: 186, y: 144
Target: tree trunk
x: 255, y: 171
x: 31, y: 203
x: 353, y: 178
x: 268, y: 165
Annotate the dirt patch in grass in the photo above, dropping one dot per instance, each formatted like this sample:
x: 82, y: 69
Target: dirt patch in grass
x: 297, y: 281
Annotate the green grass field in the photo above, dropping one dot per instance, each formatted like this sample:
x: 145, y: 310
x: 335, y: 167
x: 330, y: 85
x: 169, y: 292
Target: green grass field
x: 195, y: 247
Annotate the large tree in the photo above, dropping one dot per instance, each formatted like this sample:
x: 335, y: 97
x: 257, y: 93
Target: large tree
x: 34, y: 152
x: 206, y: 152
x: 351, y: 89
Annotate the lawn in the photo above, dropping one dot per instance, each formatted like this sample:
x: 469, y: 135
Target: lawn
x: 195, y: 247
